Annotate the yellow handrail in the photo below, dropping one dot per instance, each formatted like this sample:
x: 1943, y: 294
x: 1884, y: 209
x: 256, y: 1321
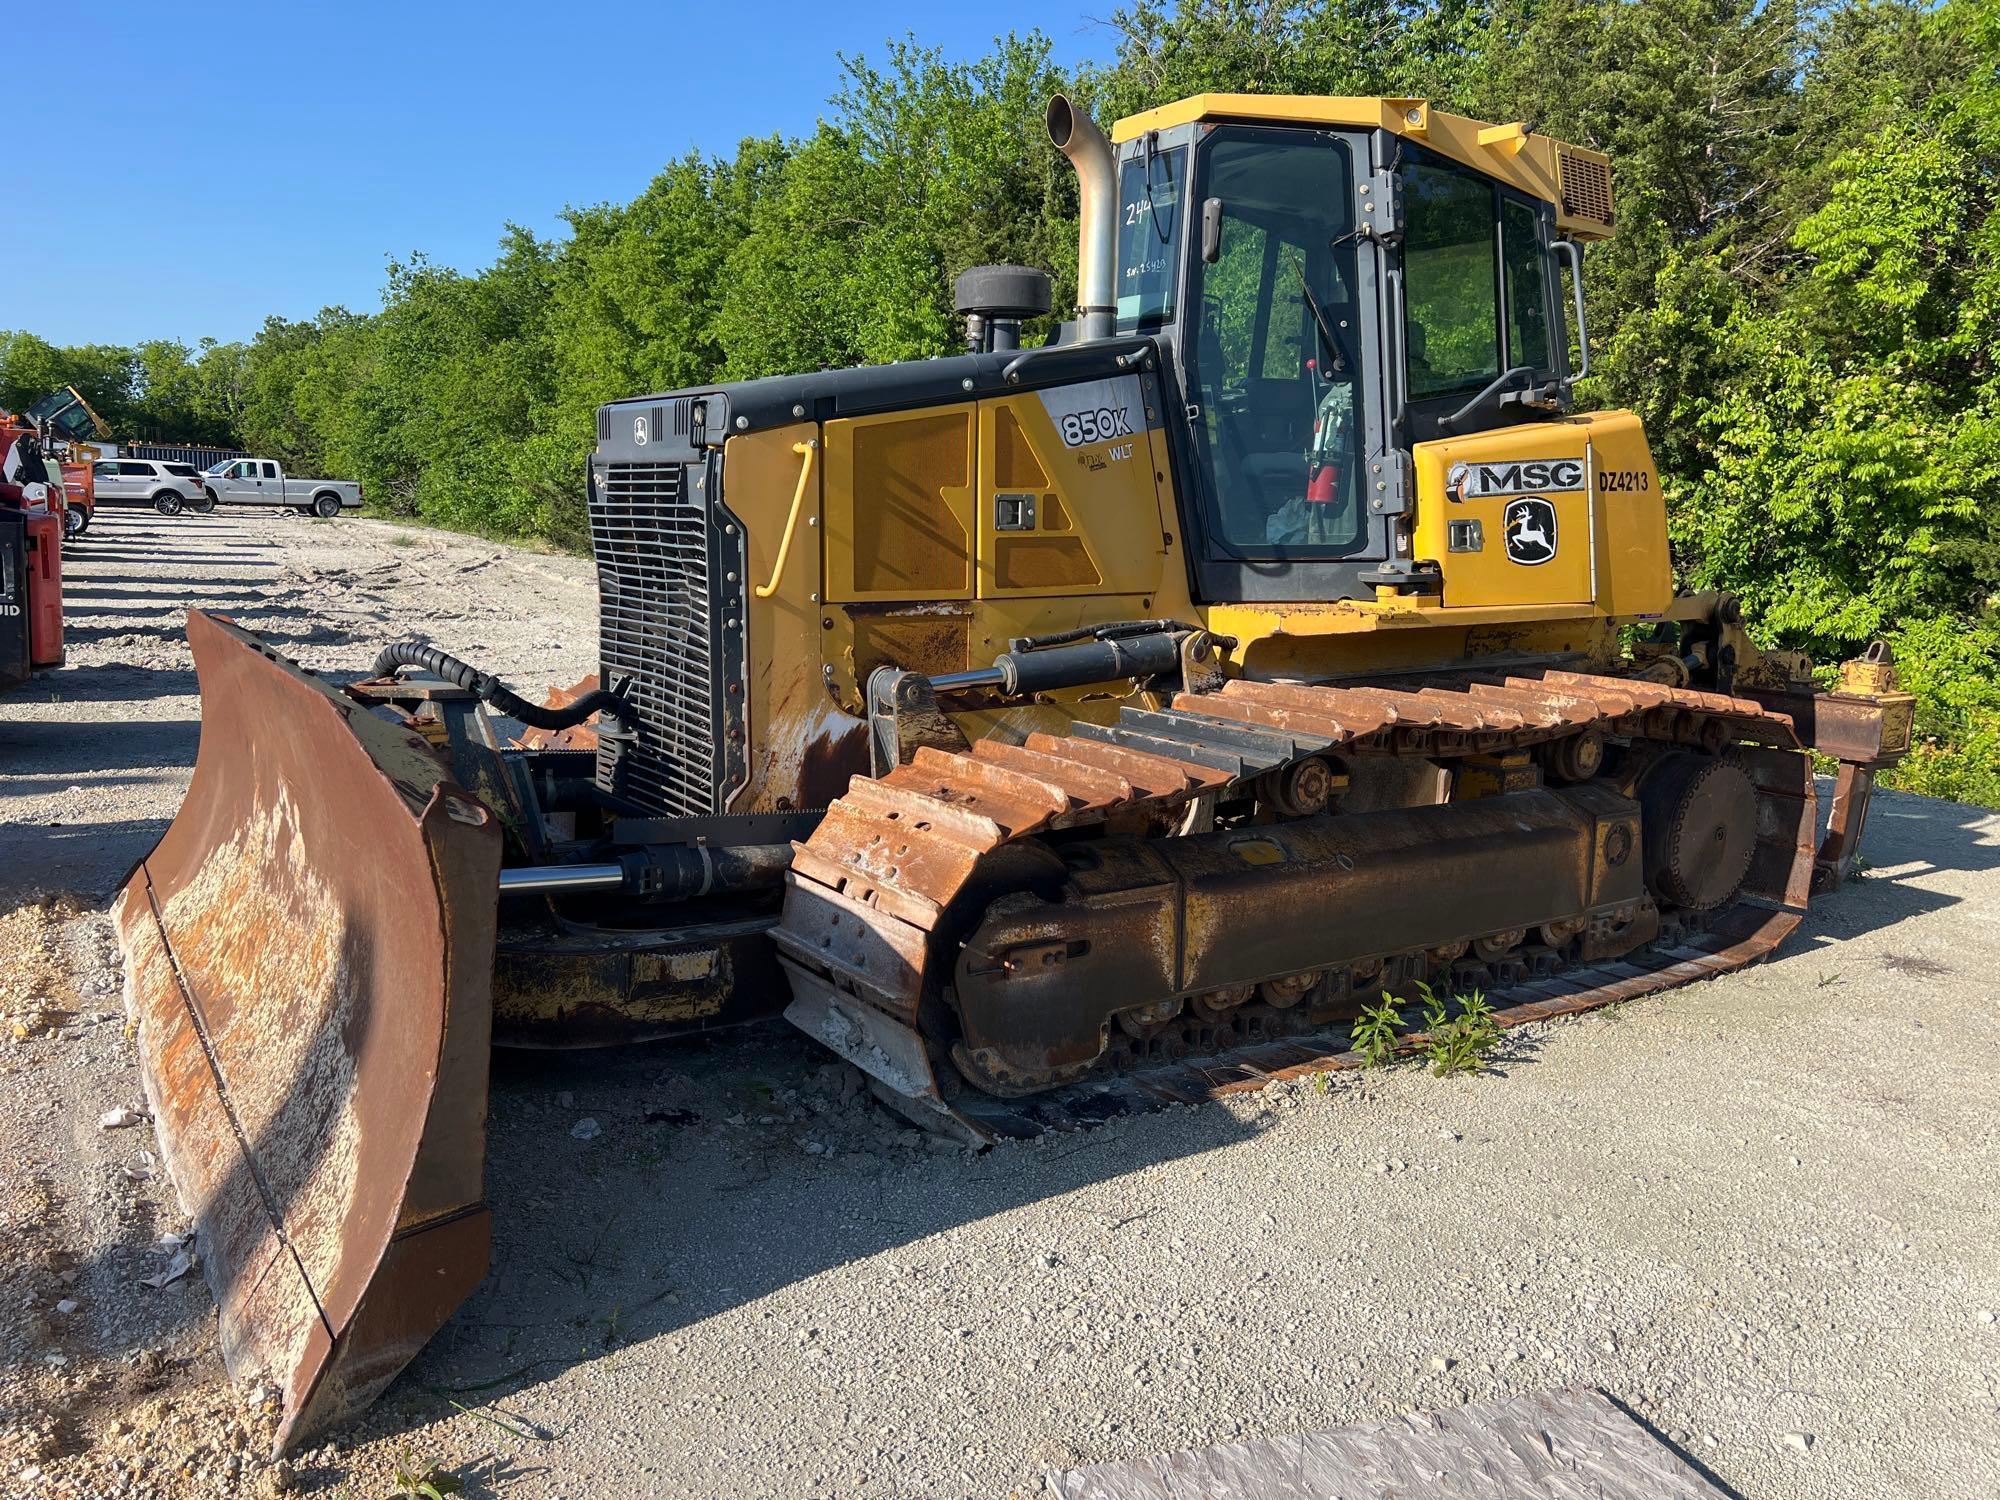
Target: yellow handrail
x: 807, y: 448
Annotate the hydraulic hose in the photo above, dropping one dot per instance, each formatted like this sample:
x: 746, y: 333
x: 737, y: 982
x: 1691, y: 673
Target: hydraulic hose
x: 496, y: 694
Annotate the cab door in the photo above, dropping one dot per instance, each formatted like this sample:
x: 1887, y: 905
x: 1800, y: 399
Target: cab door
x: 237, y: 484
x: 1278, y: 344
x: 1504, y: 488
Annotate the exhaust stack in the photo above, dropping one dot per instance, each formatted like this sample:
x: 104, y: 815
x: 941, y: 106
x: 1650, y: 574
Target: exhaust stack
x: 1076, y: 135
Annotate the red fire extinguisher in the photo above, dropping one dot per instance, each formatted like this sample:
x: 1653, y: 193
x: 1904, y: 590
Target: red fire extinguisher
x: 1329, y: 442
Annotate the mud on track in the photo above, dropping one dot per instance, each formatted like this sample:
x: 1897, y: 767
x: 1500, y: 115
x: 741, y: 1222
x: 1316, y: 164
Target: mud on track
x: 1755, y: 1207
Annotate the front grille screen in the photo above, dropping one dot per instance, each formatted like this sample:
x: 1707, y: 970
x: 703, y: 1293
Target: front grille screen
x: 657, y: 627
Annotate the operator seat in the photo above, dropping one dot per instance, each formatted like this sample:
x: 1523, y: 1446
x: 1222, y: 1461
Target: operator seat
x: 1251, y: 484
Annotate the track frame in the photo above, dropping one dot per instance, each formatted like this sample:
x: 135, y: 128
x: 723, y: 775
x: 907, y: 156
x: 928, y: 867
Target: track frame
x: 871, y: 919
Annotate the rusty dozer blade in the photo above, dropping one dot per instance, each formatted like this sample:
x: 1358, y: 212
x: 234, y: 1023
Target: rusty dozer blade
x: 308, y: 966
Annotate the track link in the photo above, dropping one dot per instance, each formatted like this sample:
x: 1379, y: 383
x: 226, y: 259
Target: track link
x: 869, y: 893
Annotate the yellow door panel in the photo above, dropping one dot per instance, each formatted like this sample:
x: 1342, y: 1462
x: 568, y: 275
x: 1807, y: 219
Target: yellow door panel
x: 1566, y: 512
x: 1067, y: 500
x: 1508, y: 515
x: 1635, y: 576
x: 785, y: 700
x: 899, y: 505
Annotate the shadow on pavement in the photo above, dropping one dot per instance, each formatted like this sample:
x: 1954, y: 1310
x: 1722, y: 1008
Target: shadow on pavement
x: 675, y: 1214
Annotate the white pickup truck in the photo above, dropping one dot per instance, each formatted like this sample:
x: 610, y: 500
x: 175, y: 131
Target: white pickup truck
x: 260, y: 481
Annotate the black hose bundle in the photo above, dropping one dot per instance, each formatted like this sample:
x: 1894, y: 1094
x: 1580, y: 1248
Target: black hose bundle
x: 497, y: 695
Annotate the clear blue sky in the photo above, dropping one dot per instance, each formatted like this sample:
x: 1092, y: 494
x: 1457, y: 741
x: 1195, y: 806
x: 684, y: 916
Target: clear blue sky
x: 189, y: 167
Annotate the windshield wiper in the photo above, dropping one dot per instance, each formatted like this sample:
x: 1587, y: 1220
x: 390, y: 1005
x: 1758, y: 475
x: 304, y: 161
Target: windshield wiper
x: 1152, y: 209
x: 1327, y: 340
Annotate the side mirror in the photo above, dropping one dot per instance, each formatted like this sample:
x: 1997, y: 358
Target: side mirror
x: 1211, y: 230
x: 1572, y: 252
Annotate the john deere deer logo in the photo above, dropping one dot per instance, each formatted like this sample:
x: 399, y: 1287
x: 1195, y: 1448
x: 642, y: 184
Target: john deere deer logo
x: 1530, y: 525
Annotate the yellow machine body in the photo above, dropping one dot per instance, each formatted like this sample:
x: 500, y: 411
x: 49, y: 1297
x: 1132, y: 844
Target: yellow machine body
x: 1123, y: 713
x: 902, y: 566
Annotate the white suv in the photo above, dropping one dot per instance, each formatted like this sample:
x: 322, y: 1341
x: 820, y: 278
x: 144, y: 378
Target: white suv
x: 167, y: 487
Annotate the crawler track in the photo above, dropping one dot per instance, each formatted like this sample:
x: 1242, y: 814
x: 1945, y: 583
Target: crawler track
x: 875, y: 909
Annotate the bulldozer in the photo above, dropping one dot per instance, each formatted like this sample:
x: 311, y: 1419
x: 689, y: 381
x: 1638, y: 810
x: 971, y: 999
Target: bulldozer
x: 1051, y: 731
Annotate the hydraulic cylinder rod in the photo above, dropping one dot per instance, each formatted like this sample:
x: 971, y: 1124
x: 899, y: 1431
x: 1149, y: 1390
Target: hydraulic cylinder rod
x: 659, y: 872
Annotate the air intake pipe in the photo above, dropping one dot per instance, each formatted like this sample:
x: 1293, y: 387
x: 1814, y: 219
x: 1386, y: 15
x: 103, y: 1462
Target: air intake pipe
x: 1076, y: 135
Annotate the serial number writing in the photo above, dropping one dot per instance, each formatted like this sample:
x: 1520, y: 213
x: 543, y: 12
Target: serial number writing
x: 1624, y: 481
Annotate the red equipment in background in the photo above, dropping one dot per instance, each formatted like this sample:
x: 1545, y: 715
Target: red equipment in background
x: 31, y: 536
x: 79, y: 497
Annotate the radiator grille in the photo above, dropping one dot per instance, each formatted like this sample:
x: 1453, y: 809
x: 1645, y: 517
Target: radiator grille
x: 1586, y: 186
x: 657, y: 627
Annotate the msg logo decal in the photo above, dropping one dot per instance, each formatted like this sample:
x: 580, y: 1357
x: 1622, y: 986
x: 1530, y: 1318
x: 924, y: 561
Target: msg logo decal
x: 1530, y: 527
x: 1096, y: 411
x: 1472, y: 481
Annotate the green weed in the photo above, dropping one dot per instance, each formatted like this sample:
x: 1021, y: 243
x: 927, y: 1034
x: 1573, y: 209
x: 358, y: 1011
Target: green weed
x: 1375, y: 1033
x: 425, y: 1482
x: 1460, y: 1045
x: 1433, y: 1004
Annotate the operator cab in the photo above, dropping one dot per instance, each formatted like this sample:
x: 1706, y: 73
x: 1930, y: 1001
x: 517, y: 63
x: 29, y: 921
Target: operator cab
x: 1329, y: 298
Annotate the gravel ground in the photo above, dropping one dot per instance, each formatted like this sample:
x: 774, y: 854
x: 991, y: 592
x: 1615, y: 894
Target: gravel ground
x: 1759, y: 1211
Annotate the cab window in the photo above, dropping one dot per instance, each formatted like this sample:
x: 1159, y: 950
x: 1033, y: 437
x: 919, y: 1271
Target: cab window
x: 270, y: 471
x: 1527, y: 268
x: 1451, y: 299
x: 1476, y: 287
x: 1149, y: 200
x: 1272, y: 366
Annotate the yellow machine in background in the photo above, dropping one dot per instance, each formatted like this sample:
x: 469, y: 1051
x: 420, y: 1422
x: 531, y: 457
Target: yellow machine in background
x: 1050, y: 731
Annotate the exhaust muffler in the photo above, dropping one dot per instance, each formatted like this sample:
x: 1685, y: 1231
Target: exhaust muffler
x: 1076, y: 135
